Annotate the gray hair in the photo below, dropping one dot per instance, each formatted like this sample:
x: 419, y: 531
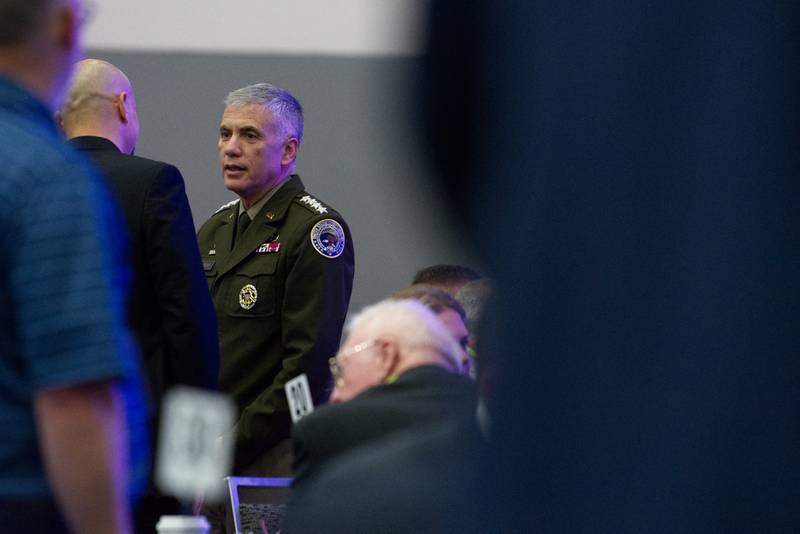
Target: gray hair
x: 411, y: 324
x: 20, y: 18
x: 285, y: 109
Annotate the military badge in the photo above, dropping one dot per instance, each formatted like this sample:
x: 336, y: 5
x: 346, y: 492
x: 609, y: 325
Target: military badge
x: 268, y: 248
x: 226, y: 206
x: 248, y: 296
x: 327, y: 237
x: 314, y: 204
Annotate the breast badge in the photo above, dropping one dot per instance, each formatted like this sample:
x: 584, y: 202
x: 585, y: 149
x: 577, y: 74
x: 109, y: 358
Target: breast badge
x: 268, y: 248
x: 248, y: 296
x: 327, y: 237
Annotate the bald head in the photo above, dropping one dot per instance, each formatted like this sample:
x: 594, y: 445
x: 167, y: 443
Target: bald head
x: 101, y: 103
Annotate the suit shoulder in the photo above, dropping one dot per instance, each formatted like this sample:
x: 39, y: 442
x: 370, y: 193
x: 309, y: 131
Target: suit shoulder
x: 137, y: 170
x: 143, y: 163
x: 326, y: 417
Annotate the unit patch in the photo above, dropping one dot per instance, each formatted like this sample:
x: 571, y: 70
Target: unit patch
x: 314, y: 204
x: 327, y: 237
x: 248, y: 296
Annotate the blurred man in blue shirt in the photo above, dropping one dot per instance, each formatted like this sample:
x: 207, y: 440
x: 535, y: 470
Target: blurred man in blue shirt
x: 68, y: 370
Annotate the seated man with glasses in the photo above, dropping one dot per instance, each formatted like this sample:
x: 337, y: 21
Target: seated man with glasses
x: 399, y: 368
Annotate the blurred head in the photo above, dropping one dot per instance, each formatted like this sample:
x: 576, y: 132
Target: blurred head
x: 100, y: 102
x: 448, y: 278
x: 40, y: 40
x: 387, y: 339
x: 259, y: 137
x: 447, y: 309
x: 473, y: 297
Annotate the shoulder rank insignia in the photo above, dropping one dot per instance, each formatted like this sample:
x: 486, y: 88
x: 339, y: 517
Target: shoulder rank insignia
x: 327, y: 237
x: 226, y: 206
x: 314, y: 204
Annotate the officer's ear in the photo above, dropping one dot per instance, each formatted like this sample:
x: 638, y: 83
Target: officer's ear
x: 290, y: 149
x: 387, y: 358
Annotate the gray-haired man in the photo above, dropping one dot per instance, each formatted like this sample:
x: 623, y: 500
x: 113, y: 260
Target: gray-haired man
x: 279, y: 264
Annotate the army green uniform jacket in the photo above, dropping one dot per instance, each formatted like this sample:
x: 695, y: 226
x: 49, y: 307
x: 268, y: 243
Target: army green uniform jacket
x: 281, y: 296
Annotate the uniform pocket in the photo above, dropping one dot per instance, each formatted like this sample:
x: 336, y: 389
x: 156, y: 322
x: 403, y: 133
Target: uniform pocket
x: 251, y: 288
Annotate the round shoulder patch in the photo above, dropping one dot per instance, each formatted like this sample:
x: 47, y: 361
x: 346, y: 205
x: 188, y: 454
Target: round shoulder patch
x: 327, y: 237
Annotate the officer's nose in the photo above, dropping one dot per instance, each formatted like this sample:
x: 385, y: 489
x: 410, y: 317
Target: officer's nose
x: 231, y: 147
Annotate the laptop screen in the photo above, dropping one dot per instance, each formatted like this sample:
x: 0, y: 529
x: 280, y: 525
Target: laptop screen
x: 258, y: 504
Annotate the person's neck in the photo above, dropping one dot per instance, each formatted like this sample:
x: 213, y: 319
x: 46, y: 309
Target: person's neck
x: 251, y: 200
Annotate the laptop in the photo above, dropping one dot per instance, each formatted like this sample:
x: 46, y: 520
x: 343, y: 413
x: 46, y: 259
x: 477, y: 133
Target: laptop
x: 258, y: 504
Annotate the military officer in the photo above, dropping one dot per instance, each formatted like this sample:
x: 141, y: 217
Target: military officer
x: 279, y: 264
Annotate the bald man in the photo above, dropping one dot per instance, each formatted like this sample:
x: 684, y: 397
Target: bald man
x: 170, y: 310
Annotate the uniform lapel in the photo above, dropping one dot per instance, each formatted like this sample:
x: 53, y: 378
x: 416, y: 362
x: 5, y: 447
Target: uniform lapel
x: 224, y: 235
x: 263, y: 227
x: 246, y: 244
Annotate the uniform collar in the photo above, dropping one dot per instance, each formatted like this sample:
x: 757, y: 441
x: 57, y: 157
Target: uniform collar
x: 93, y: 143
x: 274, y: 209
x: 253, y: 210
x: 263, y: 227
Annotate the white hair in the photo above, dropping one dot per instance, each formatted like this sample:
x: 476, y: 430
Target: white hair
x: 410, y: 324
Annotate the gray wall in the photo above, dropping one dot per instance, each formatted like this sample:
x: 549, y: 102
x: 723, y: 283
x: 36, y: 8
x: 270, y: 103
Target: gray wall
x: 359, y: 152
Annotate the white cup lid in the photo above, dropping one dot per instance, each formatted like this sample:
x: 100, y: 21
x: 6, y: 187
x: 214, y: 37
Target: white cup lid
x: 182, y: 521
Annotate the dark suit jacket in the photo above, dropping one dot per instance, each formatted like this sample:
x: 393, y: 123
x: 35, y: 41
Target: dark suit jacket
x: 426, y: 395
x: 170, y: 309
x: 422, y: 479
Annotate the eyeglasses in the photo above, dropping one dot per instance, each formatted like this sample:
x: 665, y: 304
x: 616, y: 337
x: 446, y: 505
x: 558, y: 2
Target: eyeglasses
x: 337, y: 363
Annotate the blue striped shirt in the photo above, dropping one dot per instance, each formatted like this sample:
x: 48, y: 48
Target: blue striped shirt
x: 62, y: 274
